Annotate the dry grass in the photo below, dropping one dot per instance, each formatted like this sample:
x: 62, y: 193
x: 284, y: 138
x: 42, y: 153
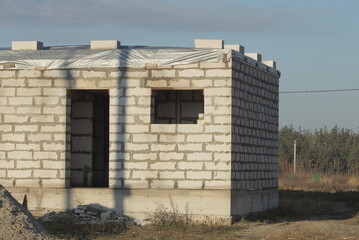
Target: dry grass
x: 319, y: 182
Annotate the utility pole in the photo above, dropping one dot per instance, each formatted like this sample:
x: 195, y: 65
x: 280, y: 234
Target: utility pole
x: 295, y: 156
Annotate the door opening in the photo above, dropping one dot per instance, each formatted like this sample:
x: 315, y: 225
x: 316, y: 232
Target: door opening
x: 89, y: 164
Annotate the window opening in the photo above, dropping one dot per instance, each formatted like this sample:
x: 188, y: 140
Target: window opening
x: 176, y: 106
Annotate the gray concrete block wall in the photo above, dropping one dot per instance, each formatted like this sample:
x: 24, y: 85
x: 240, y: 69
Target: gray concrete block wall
x: 35, y: 127
x: 255, y: 127
x: 33, y: 143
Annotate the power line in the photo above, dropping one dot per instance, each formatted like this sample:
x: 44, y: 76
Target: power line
x: 323, y: 91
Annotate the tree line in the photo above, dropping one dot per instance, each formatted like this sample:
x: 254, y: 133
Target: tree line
x: 324, y: 150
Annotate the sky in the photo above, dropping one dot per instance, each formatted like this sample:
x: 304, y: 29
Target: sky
x: 314, y: 42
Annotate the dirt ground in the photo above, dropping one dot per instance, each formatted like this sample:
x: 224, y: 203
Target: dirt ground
x: 301, y: 216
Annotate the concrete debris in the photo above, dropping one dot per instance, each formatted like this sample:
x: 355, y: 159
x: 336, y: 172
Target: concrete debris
x: 84, y: 214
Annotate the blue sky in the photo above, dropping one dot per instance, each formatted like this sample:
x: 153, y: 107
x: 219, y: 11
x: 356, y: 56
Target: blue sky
x: 315, y: 43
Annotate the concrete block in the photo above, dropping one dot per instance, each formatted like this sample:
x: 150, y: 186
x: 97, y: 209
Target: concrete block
x: 271, y: 64
x: 26, y: 45
x: 164, y: 184
x: 255, y: 56
x: 209, y: 43
x: 235, y: 47
x: 191, y: 73
x: 104, y: 44
x: 198, y: 175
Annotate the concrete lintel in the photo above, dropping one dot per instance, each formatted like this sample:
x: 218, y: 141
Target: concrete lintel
x: 26, y: 45
x: 255, y: 56
x: 235, y: 47
x: 271, y: 64
x: 209, y: 43
x: 105, y: 44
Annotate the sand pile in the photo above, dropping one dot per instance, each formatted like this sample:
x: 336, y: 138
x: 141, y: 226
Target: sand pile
x: 16, y: 222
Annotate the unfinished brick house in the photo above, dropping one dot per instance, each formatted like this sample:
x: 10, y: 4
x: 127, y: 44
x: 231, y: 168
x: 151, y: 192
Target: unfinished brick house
x: 133, y: 128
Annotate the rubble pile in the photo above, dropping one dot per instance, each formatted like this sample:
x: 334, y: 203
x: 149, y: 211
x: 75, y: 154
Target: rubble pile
x: 87, y: 214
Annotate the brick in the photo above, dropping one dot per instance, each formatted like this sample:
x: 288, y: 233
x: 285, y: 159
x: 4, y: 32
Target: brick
x: 156, y: 83
x: 20, y: 101
x: 19, y: 173
x: 54, y: 92
x: 129, y: 74
x: 167, y: 156
x: 189, y: 128
x: 145, y: 174
x: 93, y: 74
x: 37, y: 137
x: 7, y: 146
x: 222, y: 175
x: 163, y: 128
x: 163, y: 147
x: 42, y: 119
x: 7, y: 92
x: 28, y: 183
x: 198, y: 175
x: 172, y: 175
x: 13, y: 137
x: 136, y: 147
x: 199, y: 138
x: 29, y: 74
x: 5, y: 128
x: 181, y: 83
x: 60, y: 110
x: 162, y: 166
x: 17, y: 155
x: 221, y: 166
x: 54, y: 146
x: 131, y: 184
x: 46, y: 100
x: 135, y: 165
x: 163, y: 184
x: 144, y: 156
x: 217, y: 184
x: 53, y: 128
x: 163, y: 73
x: 202, y: 156
x: 42, y: 173
x: 191, y: 73
x: 7, y: 74
x: 45, y: 155
x: 28, y: 91
x: 28, y: 110
x: 55, y: 73
x: 218, y: 147
x: 53, y: 164
x: 26, y: 128
x: 6, y: 163
x: 144, y: 138
x: 39, y: 82
x: 15, y: 119
x: 28, y: 164
x: 13, y: 83
x: 188, y: 184
x: 171, y: 138
x: 190, y: 165
x: 28, y: 146
x: 190, y: 147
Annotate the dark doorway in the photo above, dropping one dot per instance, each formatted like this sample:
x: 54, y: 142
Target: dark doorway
x: 89, y: 165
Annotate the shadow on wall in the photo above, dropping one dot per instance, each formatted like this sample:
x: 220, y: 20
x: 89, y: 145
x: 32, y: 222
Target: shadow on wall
x: 89, y: 177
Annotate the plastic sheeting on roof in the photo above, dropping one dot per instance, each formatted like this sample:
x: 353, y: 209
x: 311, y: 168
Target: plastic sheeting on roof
x: 81, y: 57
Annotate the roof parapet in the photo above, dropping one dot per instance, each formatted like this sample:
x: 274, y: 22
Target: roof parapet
x: 26, y: 45
x: 255, y: 56
x: 105, y: 44
x: 209, y: 43
x: 270, y: 63
x: 235, y: 47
